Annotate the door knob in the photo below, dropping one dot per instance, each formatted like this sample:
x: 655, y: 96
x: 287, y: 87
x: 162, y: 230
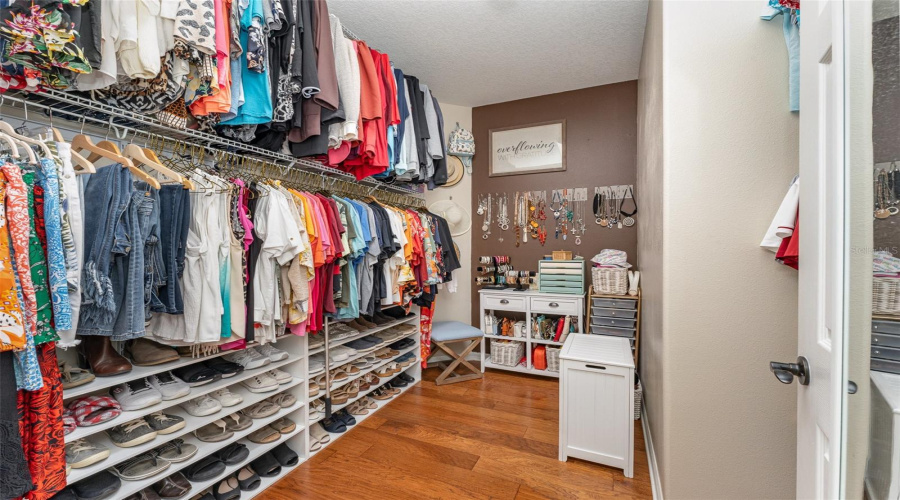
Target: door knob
x: 785, y: 372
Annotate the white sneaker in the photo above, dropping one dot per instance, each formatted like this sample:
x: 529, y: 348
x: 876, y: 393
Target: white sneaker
x: 226, y: 397
x: 248, y: 358
x: 316, y: 364
x: 136, y: 395
x: 202, y: 406
x: 281, y: 377
x: 269, y: 351
x: 170, y: 386
x: 261, y: 383
x: 341, y: 353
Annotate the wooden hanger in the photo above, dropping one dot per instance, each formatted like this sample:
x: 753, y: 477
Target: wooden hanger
x: 108, y: 150
x: 139, y: 155
x: 80, y: 162
x: 187, y: 183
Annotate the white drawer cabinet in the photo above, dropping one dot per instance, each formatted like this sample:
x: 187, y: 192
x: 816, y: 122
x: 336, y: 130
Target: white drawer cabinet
x: 596, y: 401
x: 530, y: 303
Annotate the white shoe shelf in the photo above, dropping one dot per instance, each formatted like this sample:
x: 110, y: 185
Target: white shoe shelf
x: 297, y: 364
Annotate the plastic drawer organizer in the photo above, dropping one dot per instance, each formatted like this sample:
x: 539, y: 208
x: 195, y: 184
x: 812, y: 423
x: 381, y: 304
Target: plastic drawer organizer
x: 561, y: 276
x: 297, y: 364
x: 616, y: 316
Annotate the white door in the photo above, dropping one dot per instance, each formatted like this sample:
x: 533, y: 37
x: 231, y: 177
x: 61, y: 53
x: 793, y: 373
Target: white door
x: 822, y: 249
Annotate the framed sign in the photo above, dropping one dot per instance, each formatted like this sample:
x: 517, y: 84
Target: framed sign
x: 529, y: 149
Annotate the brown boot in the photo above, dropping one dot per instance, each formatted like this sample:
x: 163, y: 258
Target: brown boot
x: 102, y: 357
x: 365, y: 322
x: 357, y: 326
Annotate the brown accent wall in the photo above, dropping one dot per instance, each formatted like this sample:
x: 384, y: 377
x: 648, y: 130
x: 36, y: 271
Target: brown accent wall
x: 601, y: 149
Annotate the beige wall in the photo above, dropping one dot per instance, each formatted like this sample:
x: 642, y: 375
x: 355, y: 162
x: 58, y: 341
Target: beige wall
x: 456, y: 306
x: 651, y: 192
x: 861, y: 155
x: 730, y: 149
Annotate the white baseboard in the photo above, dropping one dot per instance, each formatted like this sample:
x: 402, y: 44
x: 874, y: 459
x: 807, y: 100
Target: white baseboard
x: 655, y: 481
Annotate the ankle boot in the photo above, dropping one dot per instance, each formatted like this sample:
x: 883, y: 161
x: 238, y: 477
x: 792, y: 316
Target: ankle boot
x: 357, y: 326
x: 102, y: 357
x: 362, y: 320
x: 380, y: 319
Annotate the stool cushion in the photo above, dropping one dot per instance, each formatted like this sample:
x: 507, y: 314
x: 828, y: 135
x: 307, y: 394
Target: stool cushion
x: 447, y: 331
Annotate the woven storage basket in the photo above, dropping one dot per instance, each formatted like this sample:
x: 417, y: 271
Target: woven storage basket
x: 610, y: 280
x: 553, y: 358
x: 638, y: 397
x: 507, y: 353
x: 886, y: 296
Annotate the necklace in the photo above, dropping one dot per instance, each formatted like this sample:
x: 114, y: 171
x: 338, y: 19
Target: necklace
x: 486, y: 227
x: 881, y: 196
x: 556, y: 203
x: 578, y: 226
x: 502, y: 214
x: 628, y: 216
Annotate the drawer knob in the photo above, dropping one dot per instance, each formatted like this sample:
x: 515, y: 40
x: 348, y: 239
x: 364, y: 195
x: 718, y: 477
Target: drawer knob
x: 504, y: 301
x: 596, y: 367
x: 553, y: 304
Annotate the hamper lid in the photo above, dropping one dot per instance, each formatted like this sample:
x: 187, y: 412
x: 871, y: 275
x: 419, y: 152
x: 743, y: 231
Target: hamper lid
x: 601, y: 349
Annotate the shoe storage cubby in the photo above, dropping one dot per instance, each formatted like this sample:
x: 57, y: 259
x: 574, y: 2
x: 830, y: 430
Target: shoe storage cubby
x: 297, y: 364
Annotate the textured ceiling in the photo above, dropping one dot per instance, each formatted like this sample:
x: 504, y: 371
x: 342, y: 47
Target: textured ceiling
x: 477, y: 52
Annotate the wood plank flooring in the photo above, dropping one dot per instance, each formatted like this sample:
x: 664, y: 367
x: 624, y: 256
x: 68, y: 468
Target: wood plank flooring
x: 490, y: 438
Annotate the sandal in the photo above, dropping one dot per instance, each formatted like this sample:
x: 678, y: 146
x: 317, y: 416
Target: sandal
x: 284, y: 400
x: 314, y: 388
x: 352, y: 370
x: 265, y: 435
x: 314, y: 444
x: 390, y: 389
x: 283, y: 425
x: 357, y: 409
x: 247, y: 479
x: 237, y: 422
x: 318, y: 433
x: 334, y: 425
x: 338, y: 375
x: 385, y: 371
x: 381, y: 395
x: 353, y: 389
x: 262, y: 409
x: 369, y: 403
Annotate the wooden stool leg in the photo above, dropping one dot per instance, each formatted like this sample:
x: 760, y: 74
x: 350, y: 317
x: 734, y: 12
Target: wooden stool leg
x: 448, y: 376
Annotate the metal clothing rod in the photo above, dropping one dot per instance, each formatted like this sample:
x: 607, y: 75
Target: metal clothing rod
x: 61, y: 105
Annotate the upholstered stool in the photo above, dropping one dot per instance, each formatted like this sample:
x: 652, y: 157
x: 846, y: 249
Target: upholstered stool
x: 444, y: 333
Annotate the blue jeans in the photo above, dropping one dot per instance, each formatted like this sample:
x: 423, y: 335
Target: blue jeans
x: 107, y: 197
x: 174, y: 221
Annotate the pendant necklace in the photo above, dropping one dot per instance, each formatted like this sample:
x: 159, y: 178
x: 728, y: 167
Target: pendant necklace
x: 480, y: 210
x: 516, y: 214
x: 578, y: 227
x: 598, y: 206
x: 881, y: 195
x: 486, y: 227
x: 611, y: 216
x: 502, y: 214
x: 628, y: 219
x: 556, y: 203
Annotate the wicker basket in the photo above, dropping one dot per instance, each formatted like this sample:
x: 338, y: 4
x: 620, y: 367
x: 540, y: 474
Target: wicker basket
x: 610, y: 280
x: 553, y: 358
x: 561, y: 255
x: 507, y: 352
x: 886, y: 296
x: 638, y: 397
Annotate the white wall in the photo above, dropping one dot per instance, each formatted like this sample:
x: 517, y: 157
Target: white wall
x: 456, y: 306
x: 730, y: 149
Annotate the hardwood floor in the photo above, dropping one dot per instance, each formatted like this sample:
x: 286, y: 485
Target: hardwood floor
x: 490, y: 438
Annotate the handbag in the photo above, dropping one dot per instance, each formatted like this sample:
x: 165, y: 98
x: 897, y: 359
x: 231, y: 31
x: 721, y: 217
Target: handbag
x: 539, y: 358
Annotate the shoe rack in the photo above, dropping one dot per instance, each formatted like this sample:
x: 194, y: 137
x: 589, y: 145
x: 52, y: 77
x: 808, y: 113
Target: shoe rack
x: 414, y: 370
x: 297, y: 364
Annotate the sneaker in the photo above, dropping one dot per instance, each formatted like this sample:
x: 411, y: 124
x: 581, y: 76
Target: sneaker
x: 165, y: 424
x: 131, y: 433
x: 226, y: 397
x: 136, y: 395
x: 269, y: 351
x: 170, y: 386
x: 261, y: 383
x: 248, y: 358
x: 202, y: 406
x: 82, y: 453
x: 281, y: 377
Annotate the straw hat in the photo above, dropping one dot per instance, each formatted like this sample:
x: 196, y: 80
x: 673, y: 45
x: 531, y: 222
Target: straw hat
x: 454, y: 171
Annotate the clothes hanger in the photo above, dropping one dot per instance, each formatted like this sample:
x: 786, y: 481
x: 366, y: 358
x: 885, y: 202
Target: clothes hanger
x: 139, y: 156
x: 8, y: 130
x: 13, y: 148
x: 109, y: 150
x: 32, y: 159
